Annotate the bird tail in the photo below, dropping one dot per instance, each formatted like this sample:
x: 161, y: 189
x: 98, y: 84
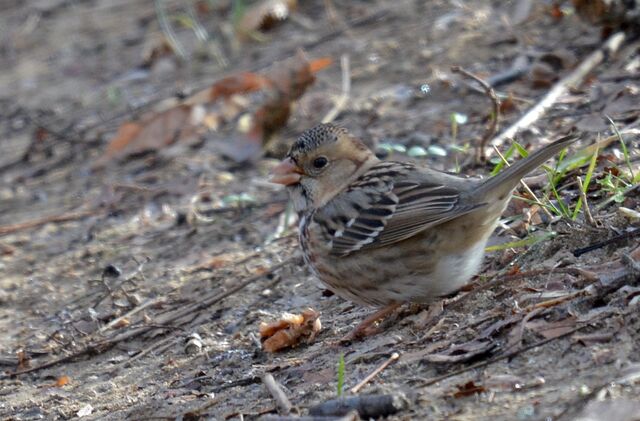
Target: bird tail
x: 507, y: 180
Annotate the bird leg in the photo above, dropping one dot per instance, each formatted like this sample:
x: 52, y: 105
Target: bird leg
x: 364, y: 327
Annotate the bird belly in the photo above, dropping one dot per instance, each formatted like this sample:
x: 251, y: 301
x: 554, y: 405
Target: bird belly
x: 419, y: 269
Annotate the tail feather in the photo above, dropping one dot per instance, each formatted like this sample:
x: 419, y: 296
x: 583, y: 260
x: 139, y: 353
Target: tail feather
x: 507, y: 180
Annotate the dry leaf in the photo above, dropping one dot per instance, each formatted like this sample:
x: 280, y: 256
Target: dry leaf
x: 182, y: 122
x: 264, y: 15
x: 468, y: 389
x: 62, y: 381
x: 23, y: 360
x: 287, y: 82
x: 290, y: 330
x: 154, y: 132
x: 121, y: 323
x: 157, y: 48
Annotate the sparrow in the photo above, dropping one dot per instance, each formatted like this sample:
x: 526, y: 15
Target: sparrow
x: 384, y: 233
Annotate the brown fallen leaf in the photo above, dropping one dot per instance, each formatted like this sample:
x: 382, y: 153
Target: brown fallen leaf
x: 184, y: 121
x: 62, y: 381
x: 23, y: 360
x: 290, y: 330
x: 263, y: 16
x: 121, y: 323
x: 157, y: 48
x: 468, y: 389
x: 152, y: 132
x: 287, y: 82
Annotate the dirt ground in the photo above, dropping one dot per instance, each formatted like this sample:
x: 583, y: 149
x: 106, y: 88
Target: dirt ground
x: 141, y: 254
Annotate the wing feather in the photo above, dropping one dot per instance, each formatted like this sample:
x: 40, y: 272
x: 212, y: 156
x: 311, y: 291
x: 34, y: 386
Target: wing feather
x: 396, y: 208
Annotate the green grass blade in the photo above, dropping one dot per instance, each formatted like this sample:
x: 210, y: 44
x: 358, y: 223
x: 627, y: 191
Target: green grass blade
x: 340, y: 375
x: 625, y: 152
x: 587, y: 181
x: 500, y: 165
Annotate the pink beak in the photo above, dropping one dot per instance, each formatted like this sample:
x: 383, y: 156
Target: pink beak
x: 286, y: 173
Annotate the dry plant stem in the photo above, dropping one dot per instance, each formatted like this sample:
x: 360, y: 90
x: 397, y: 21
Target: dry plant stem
x: 494, y: 118
x: 587, y: 211
x: 65, y: 217
x: 378, y: 370
x: 505, y: 356
x: 504, y: 278
x: 332, y: 14
x: 572, y: 80
x: 625, y: 235
x: 523, y: 323
x: 158, y: 347
x: 351, y: 416
x: 284, y: 405
x: 559, y: 300
x: 141, y: 307
x: 341, y: 102
x: 101, y: 346
x: 167, y: 29
x: 524, y: 185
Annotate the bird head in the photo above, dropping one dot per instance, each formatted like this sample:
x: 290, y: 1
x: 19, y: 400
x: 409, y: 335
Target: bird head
x: 321, y: 163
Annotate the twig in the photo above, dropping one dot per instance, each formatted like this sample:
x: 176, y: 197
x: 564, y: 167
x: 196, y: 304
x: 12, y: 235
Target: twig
x: 572, y: 80
x: 587, y: 210
x: 351, y: 416
x: 505, y: 356
x: 559, y: 300
x: 284, y: 404
x: 505, y: 278
x: 600, y: 244
x: 341, y: 102
x: 65, y: 217
x: 392, y: 358
x: 158, y: 347
x: 167, y: 29
x: 135, y: 310
x: 494, y: 117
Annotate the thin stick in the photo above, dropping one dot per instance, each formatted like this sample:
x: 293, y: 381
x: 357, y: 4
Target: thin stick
x: 505, y: 356
x: 341, y: 102
x: 572, y: 80
x: 65, y: 217
x: 600, y: 244
x: 392, y: 358
x: 524, y: 185
x: 284, y: 405
x: 494, y: 117
x: 158, y: 347
x: 130, y: 313
x: 167, y: 29
x: 587, y: 211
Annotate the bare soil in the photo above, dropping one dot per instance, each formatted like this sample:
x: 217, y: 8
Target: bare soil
x: 71, y: 70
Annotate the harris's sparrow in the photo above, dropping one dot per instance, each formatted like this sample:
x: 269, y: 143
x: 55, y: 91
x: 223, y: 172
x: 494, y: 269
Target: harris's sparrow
x: 382, y: 233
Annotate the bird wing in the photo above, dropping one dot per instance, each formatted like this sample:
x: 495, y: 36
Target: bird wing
x: 387, y: 204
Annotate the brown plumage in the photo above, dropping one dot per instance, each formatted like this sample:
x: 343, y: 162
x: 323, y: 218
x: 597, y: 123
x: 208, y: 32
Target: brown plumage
x: 382, y: 232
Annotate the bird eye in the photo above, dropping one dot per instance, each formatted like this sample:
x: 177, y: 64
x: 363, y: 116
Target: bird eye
x: 320, y: 162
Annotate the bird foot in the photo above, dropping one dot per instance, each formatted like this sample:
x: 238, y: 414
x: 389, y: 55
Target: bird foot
x: 367, y: 326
